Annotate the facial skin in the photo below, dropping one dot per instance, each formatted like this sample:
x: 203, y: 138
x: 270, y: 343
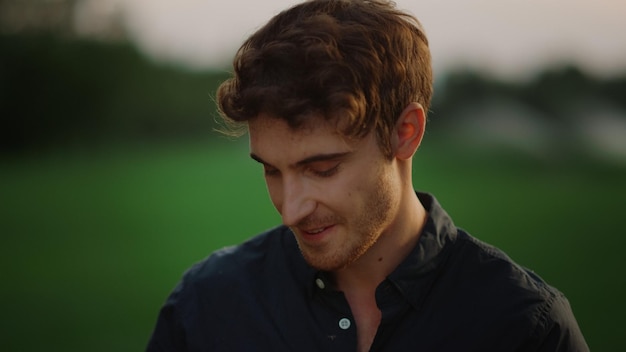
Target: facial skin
x: 339, y: 197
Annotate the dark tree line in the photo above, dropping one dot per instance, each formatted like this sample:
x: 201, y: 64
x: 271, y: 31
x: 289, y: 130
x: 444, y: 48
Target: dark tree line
x: 548, y: 92
x: 61, y: 92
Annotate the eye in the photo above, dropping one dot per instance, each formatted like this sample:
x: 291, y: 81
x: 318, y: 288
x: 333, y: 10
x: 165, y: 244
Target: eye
x: 270, y: 171
x: 326, y: 172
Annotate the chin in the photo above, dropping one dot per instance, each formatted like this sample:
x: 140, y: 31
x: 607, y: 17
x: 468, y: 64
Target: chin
x: 331, y: 261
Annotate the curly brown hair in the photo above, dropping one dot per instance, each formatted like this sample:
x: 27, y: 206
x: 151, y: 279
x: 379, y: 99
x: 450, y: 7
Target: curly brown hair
x: 359, y: 62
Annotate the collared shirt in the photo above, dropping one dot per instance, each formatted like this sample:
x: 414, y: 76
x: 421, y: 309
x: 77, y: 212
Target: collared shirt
x: 452, y: 293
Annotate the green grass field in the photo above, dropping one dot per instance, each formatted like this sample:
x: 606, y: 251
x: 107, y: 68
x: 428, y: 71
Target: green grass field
x: 92, y: 242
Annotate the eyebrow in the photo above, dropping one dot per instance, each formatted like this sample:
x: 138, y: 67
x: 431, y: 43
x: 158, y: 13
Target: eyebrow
x: 307, y: 160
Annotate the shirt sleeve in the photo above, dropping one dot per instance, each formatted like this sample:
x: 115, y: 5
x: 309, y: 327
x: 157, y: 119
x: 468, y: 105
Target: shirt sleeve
x: 558, y: 330
x: 168, y: 334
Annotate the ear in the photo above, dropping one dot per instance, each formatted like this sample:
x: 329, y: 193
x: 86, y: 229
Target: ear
x: 409, y: 131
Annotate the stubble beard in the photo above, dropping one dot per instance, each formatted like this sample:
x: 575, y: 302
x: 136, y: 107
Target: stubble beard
x: 365, y: 231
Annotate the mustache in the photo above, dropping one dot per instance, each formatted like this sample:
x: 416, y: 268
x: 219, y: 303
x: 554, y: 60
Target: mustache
x: 315, y: 221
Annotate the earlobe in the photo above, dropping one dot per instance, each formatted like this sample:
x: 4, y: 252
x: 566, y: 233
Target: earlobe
x: 409, y: 130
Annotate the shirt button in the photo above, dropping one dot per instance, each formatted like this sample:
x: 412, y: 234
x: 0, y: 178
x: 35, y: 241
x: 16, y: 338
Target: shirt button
x: 320, y: 283
x: 344, y: 323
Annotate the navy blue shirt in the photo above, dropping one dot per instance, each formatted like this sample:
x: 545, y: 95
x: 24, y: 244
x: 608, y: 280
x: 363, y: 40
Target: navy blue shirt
x: 452, y: 293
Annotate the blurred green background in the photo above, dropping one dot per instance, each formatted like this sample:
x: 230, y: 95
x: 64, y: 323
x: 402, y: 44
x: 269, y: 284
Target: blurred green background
x: 113, y: 182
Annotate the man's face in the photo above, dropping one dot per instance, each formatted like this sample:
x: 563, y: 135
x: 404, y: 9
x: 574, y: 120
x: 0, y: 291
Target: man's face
x: 338, y: 196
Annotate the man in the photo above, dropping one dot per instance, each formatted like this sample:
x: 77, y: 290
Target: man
x: 334, y: 95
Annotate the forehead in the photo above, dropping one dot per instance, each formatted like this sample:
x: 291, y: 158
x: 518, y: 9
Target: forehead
x: 271, y: 136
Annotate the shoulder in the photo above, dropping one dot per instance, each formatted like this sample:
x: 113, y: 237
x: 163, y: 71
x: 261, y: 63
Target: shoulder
x: 488, y: 265
x: 487, y: 273
x: 220, y: 292
x: 238, y: 263
x: 231, y: 279
x: 514, y: 300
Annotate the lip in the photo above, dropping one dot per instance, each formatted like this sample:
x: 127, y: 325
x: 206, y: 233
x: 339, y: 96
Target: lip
x: 316, y: 238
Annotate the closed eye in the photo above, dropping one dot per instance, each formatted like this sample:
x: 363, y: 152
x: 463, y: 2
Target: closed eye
x: 270, y: 171
x: 320, y: 165
x: 326, y: 172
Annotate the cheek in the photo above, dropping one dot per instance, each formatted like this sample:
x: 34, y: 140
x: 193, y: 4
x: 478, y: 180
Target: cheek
x: 347, y: 192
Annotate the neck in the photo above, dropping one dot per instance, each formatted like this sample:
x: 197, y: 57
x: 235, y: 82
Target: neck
x: 359, y: 280
x: 365, y: 274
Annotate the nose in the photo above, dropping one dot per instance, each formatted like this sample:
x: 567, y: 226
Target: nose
x: 297, y: 201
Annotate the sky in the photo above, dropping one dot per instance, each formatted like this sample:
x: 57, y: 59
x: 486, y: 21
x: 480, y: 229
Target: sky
x: 510, y: 38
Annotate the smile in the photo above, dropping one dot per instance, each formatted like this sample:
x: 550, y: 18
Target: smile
x: 318, y: 232
x: 313, y: 232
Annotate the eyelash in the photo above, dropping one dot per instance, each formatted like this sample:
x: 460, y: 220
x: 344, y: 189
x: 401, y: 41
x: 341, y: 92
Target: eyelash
x: 269, y: 172
x: 325, y: 173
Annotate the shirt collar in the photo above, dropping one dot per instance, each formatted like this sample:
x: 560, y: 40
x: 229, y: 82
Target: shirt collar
x: 414, y: 276
x: 416, y: 273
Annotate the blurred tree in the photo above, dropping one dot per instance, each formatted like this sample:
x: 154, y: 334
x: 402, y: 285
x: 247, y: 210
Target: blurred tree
x: 37, y: 16
x: 58, y: 88
x: 61, y: 92
x: 464, y: 88
x: 614, y: 89
x: 554, y: 89
x: 550, y: 92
